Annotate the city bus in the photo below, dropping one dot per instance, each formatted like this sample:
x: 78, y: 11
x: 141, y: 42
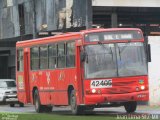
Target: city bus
x: 84, y: 70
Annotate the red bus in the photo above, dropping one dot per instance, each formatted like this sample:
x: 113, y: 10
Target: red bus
x: 86, y: 70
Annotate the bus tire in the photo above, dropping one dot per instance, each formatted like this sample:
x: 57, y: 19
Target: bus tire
x: 38, y: 106
x: 130, y: 107
x: 21, y: 104
x: 12, y: 105
x: 76, y: 109
x: 48, y: 109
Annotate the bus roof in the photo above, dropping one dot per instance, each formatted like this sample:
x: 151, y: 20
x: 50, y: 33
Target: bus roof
x: 108, y: 29
x: 61, y: 37
x: 68, y: 36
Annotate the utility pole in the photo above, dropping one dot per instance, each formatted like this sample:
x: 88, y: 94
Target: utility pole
x: 34, y: 20
x: 88, y: 14
x: 114, y: 20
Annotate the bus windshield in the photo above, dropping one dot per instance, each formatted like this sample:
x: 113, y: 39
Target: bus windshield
x: 116, y: 60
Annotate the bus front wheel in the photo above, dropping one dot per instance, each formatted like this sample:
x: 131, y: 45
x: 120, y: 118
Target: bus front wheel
x: 38, y: 106
x: 21, y: 104
x: 76, y: 109
x: 130, y: 106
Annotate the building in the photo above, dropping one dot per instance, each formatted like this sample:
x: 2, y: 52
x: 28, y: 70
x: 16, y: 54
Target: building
x: 27, y: 19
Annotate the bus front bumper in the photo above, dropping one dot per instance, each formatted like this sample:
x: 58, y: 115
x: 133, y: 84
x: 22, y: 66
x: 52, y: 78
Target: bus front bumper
x: 93, y: 99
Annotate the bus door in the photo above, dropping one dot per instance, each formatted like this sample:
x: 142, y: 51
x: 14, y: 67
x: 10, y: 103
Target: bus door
x: 26, y: 74
x: 79, y: 69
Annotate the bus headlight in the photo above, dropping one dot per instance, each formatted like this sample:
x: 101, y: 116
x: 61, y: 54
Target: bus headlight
x: 142, y: 87
x: 93, y: 90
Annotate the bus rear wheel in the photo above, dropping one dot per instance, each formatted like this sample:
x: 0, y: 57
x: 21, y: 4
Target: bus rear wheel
x: 76, y: 109
x: 130, y: 107
x: 38, y: 106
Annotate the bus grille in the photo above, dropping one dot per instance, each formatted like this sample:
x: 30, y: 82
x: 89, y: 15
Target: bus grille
x: 123, y: 87
x: 120, y: 90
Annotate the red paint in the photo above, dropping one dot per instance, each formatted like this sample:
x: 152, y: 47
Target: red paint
x: 122, y: 90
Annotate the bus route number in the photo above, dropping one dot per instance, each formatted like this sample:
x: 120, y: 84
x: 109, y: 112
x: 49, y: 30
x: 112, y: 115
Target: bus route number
x: 101, y: 83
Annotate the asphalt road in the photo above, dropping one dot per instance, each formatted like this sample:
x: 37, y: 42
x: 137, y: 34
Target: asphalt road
x: 66, y: 110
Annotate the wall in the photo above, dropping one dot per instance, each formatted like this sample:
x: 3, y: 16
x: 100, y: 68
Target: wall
x: 11, y: 60
x: 7, y: 60
x: 154, y: 71
x: 59, y: 14
x: 39, y: 15
x: 127, y: 3
x: 9, y: 21
x: 49, y: 15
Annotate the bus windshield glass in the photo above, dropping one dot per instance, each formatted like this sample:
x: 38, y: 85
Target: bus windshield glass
x: 115, y: 60
x: 113, y: 35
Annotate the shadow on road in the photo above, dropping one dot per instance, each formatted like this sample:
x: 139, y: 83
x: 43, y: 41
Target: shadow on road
x: 97, y: 113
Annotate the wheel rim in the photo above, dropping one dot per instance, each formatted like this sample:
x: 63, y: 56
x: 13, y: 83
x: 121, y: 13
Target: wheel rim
x: 73, y: 102
x: 36, y: 103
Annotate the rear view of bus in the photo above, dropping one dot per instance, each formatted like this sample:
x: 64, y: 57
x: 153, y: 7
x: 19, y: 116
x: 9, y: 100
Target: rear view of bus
x: 114, y: 62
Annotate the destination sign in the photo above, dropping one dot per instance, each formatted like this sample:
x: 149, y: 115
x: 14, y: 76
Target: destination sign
x: 113, y: 35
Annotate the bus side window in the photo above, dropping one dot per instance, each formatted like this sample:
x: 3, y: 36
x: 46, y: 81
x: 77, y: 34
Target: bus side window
x: 70, y: 57
x: 35, y: 58
x: 52, y: 56
x: 61, y: 61
x: 44, y: 57
x: 20, y: 60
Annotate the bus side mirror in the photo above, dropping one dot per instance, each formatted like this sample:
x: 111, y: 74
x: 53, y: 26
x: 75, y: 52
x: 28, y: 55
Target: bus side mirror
x: 149, y: 53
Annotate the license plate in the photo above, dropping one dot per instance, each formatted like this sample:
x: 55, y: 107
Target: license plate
x: 12, y: 99
x: 14, y: 95
x: 101, y: 83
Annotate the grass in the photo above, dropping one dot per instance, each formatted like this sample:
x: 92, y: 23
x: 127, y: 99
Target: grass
x: 11, y: 116
x: 60, y: 116
x: 66, y: 115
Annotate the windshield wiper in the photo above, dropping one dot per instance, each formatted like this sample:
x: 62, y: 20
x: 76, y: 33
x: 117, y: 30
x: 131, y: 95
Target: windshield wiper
x: 123, y: 48
x: 106, y: 49
x: 84, y: 56
x: 119, y: 51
